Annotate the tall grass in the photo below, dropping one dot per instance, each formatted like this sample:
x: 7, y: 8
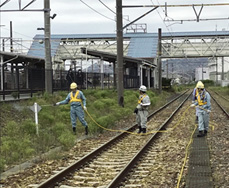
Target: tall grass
x: 18, y: 136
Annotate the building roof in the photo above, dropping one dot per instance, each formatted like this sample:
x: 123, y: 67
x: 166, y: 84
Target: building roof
x: 112, y: 57
x: 19, y: 58
x: 142, y: 45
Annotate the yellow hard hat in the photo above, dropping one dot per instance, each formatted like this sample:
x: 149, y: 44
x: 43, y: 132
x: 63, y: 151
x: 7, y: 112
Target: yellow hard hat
x: 73, y: 85
x: 200, y: 85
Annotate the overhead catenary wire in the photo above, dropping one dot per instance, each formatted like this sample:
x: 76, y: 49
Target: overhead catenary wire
x: 187, y: 5
x: 107, y: 7
x: 97, y: 11
x: 111, y: 9
x: 162, y: 18
x: 18, y: 33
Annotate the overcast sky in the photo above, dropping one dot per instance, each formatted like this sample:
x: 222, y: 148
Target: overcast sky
x: 74, y: 17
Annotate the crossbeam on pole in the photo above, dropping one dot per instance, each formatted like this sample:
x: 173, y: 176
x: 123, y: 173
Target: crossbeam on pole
x: 166, y: 5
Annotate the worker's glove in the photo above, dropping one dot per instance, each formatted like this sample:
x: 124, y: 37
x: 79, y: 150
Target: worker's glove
x: 136, y: 111
x: 208, y: 111
x: 57, y: 104
x: 85, y: 108
x: 193, y: 102
x: 192, y: 105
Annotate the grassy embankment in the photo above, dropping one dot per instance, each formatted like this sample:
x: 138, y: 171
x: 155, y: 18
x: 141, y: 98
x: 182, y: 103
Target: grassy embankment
x: 19, y: 141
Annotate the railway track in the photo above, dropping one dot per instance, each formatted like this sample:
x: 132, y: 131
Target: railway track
x: 218, y: 140
x: 101, y: 167
x: 221, y: 101
x: 124, y: 163
x: 157, y: 161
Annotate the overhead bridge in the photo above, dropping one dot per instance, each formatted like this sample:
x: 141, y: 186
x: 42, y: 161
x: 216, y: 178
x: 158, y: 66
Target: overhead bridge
x: 195, y: 45
x: 140, y: 50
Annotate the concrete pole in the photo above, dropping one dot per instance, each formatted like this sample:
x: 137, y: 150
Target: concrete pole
x: 119, y: 32
x: 141, y: 75
x: 102, y: 73
x: 216, y: 73
x: 222, y: 68
x: 11, y: 50
x: 27, y: 76
x: 159, y: 61
x: 3, y: 45
x: 202, y: 72
x: 115, y: 74
x: 167, y: 68
x: 155, y: 78
x: 86, y: 69
x: 11, y: 37
x: 2, y: 73
x: 148, y: 76
x: 48, y: 62
x: 172, y: 70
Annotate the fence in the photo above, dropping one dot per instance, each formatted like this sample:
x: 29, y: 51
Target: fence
x: 30, y: 81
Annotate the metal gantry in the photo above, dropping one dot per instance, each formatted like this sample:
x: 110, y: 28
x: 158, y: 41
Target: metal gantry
x: 193, y: 46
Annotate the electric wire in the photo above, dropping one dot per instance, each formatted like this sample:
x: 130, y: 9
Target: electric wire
x: 162, y: 18
x: 111, y: 9
x: 107, y: 7
x: 19, y: 33
x: 97, y: 11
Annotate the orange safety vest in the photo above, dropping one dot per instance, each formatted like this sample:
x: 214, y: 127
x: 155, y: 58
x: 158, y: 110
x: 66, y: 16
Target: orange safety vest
x: 200, y: 102
x: 74, y: 98
x: 140, y: 100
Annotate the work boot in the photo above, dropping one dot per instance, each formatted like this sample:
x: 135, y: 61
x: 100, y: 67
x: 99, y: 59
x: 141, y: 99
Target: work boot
x: 74, y: 130
x: 205, y: 132
x: 143, y: 130
x: 86, y: 130
x: 201, y: 134
x: 140, y: 129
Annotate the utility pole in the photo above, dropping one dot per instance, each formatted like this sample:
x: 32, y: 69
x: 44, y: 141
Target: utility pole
x: 48, y: 61
x: 222, y: 68
x: 167, y: 68
x: 216, y: 72
x: 11, y: 37
x: 172, y: 70
x: 12, y: 50
x: 159, y: 61
x: 202, y: 72
x: 119, y: 32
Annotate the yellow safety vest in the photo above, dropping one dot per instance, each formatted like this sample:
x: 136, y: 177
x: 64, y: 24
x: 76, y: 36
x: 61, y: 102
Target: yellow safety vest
x: 140, y: 100
x: 74, y: 98
x: 200, y: 102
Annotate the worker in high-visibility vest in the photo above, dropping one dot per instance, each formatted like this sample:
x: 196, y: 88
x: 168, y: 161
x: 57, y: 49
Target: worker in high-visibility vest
x: 203, y: 104
x: 142, y: 109
x: 77, y: 99
x: 194, y: 98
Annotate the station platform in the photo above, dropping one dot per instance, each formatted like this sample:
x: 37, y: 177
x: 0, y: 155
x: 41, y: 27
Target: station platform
x: 199, y: 168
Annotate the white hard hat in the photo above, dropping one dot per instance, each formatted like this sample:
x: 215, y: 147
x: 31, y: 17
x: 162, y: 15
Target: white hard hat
x: 73, y: 85
x: 143, y: 88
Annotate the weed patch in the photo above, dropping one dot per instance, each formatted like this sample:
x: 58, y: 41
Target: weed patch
x: 18, y: 134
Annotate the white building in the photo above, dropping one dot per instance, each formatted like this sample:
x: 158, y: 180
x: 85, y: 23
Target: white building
x: 201, y: 73
x: 217, y: 66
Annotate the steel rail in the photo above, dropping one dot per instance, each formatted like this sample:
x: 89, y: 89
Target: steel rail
x: 220, y: 106
x: 121, y: 176
x: 53, y: 180
x: 220, y: 95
